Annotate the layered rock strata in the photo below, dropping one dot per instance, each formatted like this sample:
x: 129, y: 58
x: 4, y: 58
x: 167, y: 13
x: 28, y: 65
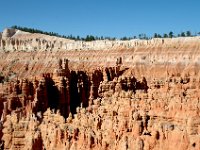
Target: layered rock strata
x: 121, y: 95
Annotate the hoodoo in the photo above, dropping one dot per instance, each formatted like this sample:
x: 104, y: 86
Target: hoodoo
x: 57, y: 93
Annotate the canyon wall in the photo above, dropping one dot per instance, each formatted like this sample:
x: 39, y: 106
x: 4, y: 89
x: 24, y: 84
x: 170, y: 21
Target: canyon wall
x: 125, y: 95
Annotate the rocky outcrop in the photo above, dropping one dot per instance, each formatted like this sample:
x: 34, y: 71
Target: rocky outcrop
x: 135, y: 95
x: 137, y: 117
x: 7, y: 33
x: 69, y: 88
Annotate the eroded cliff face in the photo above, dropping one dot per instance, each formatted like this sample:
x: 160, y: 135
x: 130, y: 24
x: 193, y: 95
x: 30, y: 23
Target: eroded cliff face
x: 110, y: 95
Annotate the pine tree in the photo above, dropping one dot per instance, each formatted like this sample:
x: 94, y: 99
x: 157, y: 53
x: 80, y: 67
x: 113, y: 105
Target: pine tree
x: 165, y: 35
x: 171, y: 34
x: 182, y: 34
x: 188, y: 33
x: 155, y: 35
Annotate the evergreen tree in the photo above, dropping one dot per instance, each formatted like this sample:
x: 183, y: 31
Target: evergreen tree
x: 182, y: 34
x: 155, y: 35
x: 188, y: 33
x: 159, y: 36
x: 171, y: 34
x: 142, y: 36
x: 134, y: 37
x: 89, y: 38
x: 124, y: 38
x: 165, y: 35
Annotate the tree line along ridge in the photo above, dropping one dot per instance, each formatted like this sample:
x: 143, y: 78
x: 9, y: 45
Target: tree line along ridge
x: 93, y: 38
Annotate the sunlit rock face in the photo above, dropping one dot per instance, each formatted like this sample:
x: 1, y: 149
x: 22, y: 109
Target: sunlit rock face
x: 7, y: 33
x: 125, y: 95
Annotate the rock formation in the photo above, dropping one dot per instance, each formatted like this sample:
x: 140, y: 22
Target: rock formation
x: 106, y: 95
